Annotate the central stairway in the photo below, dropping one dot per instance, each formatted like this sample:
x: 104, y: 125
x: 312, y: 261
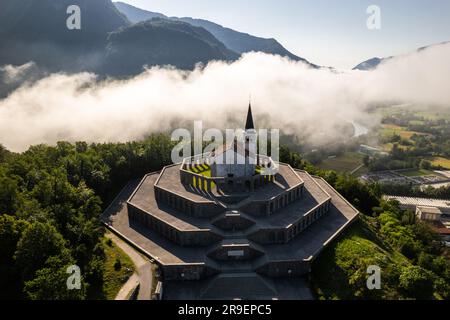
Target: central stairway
x: 230, y: 286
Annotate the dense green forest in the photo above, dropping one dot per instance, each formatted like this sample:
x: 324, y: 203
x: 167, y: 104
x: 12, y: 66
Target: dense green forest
x: 51, y: 198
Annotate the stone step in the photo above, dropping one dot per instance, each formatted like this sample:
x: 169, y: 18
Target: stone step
x: 236, y: 266
x: 236, y: 244
x: 232, y: 218
x: 245, y: 285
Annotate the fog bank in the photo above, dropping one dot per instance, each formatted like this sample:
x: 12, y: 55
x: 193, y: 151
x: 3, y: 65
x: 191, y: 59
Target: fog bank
x: 285, y: 94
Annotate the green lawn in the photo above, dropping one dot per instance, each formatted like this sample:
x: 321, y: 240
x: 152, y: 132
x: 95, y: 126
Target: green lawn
x: 204, y: 170
x: 344, y: 163
x: 114, y: 275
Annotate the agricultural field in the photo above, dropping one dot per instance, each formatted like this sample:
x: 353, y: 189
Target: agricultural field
x: 419, y: 111
x: 440, y: 161
x: 347, y: 162
x: 387, y: 147
x: 391, y: 129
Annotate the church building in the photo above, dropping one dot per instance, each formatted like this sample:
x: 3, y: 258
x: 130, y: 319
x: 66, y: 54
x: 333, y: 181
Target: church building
x: 219, y: 229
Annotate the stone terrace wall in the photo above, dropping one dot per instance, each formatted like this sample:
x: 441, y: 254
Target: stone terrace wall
x: 269, y: 207
x: 182, y: 238
x: 188, y: 272
x: 192, y: 208
x: 284, y: 235
x: 278, y: 269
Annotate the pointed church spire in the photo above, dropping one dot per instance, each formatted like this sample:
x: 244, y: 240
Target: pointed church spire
x: 249, y: 123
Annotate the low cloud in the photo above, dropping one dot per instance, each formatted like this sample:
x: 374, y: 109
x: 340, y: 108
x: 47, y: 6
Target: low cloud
x: 312, y: 104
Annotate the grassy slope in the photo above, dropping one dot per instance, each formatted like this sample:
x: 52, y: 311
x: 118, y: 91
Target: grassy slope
x: 114, y: 279
x: 336, y: 268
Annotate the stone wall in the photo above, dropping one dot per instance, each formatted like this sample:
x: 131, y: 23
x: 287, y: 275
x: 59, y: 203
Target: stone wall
x: 269, y: 207
x: 285, y: 269
x: 235, y: 253
x: 182, y: 238
x: 230, y: 221
x: 187, y: 272
x: 284, y: 235
x: 186, y: 206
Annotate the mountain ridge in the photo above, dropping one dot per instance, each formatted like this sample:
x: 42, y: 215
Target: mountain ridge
x: 373, y: 63
x: 161, y: 42
x: 236, y: 41
x: 36, y: 31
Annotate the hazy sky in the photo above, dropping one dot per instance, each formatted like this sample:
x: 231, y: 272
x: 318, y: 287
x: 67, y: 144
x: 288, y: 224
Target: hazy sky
x: 326, y: 32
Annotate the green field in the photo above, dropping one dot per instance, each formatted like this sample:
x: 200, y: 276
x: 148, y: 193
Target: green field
x: 417, y: 173
x: 390, y: 129
x: 343, y: 163
x: 387, y: 147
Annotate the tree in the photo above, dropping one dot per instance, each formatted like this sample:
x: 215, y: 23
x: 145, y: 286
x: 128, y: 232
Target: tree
x: 425, y: 164
x: 3, y: 153
x: 10, y: 232
x: 366, y: 160
x: 9, y: 194
x: 417, y: 282
x: 38, y: 242
x: 50, y: 282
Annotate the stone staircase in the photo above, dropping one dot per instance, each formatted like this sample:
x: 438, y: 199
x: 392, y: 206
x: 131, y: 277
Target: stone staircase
x: 239, y: 285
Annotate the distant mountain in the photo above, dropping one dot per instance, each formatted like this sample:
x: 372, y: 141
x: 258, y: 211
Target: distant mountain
x: 108, y: 43
x: 161, y: 42
x: 36, y: 30
x: 136, y: 15
x: 373, y: 63
x: 368, y: 64
x: 243, y: 42
x: 236, y: 41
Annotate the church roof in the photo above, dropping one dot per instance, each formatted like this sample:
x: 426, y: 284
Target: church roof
x: 249, y: 123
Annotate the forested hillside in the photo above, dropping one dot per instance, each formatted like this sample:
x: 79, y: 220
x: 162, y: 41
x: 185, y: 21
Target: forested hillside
x: 51, y: 199
x: 414, y: 263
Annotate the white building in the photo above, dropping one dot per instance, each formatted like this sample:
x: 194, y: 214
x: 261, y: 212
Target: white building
x: 410, y: 203
x: 237, y: 159
x: 436, y: 212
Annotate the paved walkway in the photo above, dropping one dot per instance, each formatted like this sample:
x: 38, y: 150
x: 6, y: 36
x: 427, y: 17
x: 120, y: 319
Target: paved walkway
x: 143, y: 274
x: 126, y: 289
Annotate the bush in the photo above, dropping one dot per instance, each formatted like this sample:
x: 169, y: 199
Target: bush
x: 117, y: 265
x: 417, y: 282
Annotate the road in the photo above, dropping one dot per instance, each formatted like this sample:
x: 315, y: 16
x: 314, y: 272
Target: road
x: 143, y: 273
